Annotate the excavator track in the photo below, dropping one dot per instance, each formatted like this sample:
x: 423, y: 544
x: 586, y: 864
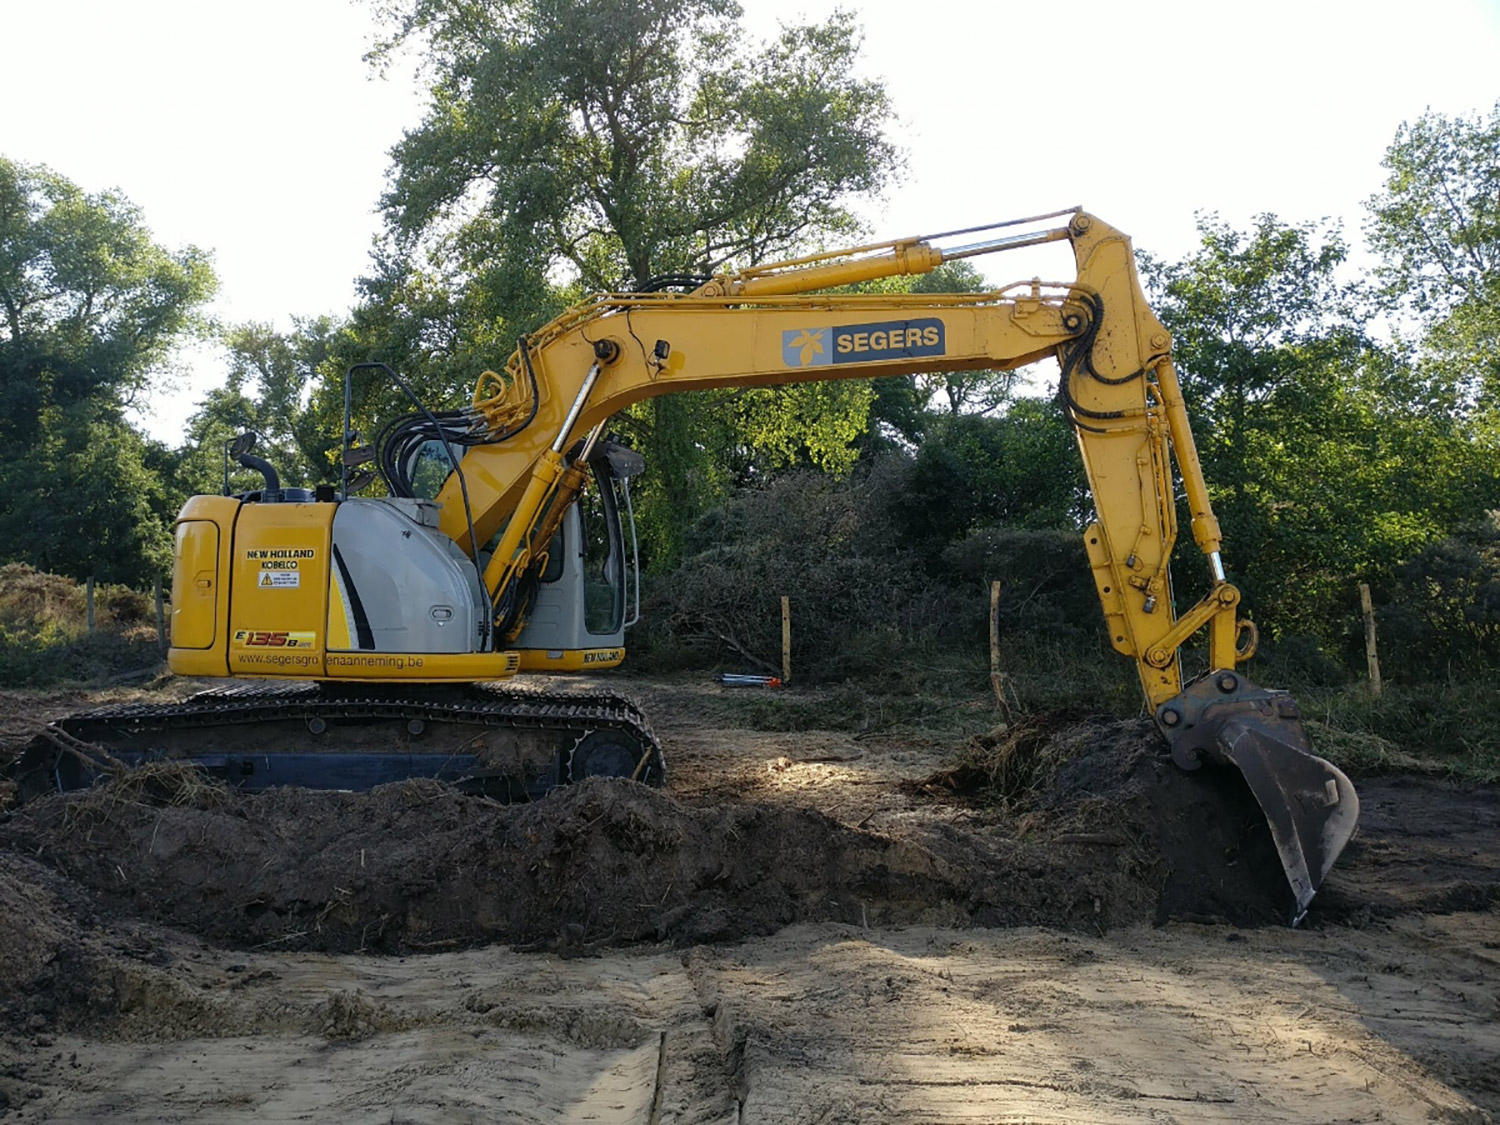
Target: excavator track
x: 500, y: 740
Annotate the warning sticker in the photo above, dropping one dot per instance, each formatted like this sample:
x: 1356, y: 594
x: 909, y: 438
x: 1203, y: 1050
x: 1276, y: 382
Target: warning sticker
x: 279, y: 579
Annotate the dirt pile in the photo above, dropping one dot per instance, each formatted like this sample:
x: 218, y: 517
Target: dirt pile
x: 1112, y: 835
x: 65, y: 966
x: 1086, y: 784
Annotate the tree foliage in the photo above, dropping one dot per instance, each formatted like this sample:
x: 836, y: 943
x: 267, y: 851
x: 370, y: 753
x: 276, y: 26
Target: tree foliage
x: 585, y: 145
x: 1442, y: 610
x: 1327, y: 456
x: 1020, y: 470
x: 1436, y: 225
x: 272, y: 388
x: 630, y: 138
x: 91, y: 309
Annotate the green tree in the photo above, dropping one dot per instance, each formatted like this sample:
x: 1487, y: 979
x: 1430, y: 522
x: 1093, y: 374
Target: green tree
x: 628, y: 138
x: 90, y: 308
x: 272, y: 389
x: 1252, y: 314
x: 1327, y: 456
x: 90, y: 496
x: 586, y: 145
x: 1020, y: 471
x: 1436, y: 225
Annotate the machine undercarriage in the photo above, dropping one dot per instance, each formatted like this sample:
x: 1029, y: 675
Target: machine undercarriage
x: 504, y: 741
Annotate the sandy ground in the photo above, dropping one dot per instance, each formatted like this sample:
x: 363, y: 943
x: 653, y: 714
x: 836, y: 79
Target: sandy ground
x: 1385, y: 1008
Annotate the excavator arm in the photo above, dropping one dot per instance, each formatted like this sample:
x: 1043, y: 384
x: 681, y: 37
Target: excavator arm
x: 776, y: 324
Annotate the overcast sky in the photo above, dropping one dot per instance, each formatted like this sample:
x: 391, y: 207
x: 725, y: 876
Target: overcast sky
x: 257, y: 132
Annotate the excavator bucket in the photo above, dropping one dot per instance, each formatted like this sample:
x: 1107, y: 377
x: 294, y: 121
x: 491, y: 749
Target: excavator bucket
x: 1309, y: 804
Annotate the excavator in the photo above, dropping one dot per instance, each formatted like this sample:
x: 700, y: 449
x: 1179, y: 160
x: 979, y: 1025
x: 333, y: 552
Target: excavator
x: 370, y: 638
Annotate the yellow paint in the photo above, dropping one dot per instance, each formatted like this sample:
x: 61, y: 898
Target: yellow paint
x: 195, y: 585
x: 200, y: 594
x: 570, y: 659
x: 279, y: 586
x: 441, y: 667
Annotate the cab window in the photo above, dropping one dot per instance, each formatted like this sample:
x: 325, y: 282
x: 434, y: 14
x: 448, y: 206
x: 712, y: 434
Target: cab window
x: 603, y: 561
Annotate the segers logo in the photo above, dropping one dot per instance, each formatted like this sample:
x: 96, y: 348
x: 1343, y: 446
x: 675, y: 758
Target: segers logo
x: 863, y: 343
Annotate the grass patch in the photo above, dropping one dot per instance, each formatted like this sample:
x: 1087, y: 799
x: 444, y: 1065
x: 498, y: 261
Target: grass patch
x: 1449, y: 729
x: 938, y: 694
x: 44, y: 637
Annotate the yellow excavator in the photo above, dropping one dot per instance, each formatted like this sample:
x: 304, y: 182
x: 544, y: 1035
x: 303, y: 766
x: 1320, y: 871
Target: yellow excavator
x: 375, y: 633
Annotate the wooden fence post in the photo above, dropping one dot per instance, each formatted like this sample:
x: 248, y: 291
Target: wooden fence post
x: 88, y: 597
x: 997, y: 677
x: 786, y: 639
x: 161, y: 620
x: 1371, y: 656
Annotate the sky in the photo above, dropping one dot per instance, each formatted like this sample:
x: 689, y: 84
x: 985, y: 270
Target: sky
x: 257, y: 131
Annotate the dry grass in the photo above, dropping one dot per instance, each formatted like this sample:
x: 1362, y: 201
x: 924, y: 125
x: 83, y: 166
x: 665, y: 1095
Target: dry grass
x: 153, y: 785
x: 1009, y: 763
x: 44, y: 637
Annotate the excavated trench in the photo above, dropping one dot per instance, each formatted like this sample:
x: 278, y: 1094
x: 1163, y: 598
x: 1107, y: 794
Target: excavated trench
x: 1109, y: 834
x: 158, y: 922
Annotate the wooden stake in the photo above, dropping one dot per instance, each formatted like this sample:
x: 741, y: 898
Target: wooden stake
x: 1371, y: 656
x: 997, y: 677
x: 786, y: 639
x: 161, y: 620
x: 88, y: 588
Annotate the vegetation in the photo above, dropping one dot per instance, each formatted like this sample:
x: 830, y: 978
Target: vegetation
x: 91, y: 310
x: 1349, y: 425
x: 615, y: 144
x: 44, y: 635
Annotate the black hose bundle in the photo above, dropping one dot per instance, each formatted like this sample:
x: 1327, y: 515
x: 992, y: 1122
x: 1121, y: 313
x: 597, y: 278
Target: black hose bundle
x: 1078, y: 357
x: 664, y: 281
x: 400, y: 442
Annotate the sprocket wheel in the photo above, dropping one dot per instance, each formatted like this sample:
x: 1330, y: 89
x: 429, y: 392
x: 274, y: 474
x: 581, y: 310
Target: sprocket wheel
x: 613, y: 753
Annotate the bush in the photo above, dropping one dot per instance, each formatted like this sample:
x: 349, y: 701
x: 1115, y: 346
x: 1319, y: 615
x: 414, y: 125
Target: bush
x: 44, y: 636
x: 857, y: 593
x: 1442, y: 609
x: 1046, y: 586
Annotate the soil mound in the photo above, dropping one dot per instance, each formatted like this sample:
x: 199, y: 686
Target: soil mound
x: 1096, y: 783
x: 1106, y: 832
x: 66, y: 967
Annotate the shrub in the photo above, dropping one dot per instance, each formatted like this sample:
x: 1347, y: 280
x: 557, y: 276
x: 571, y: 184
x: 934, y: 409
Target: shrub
x: 1442, y: 608
x: 856, y: 591
x: 44, y: 636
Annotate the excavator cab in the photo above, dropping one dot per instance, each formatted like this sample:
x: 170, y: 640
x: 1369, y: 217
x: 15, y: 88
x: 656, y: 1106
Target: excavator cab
x: 588, y: 592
